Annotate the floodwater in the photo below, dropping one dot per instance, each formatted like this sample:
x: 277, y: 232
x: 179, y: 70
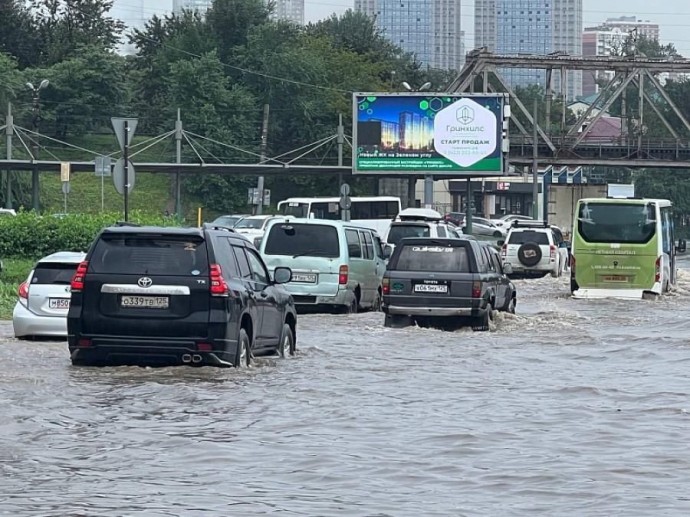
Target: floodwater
x: 570, y: 407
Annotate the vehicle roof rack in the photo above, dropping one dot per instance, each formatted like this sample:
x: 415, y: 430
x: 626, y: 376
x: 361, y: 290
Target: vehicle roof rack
x: 212, y: 226
x: 126, y: 223
x: 534, y: 223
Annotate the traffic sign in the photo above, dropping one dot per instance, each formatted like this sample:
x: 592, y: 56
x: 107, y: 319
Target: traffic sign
x: 345, y: 202
x: 119, y: 176
x: 64, y: 171
x: 119, y: 127
x: 345, y: 189
x: 102, y: 166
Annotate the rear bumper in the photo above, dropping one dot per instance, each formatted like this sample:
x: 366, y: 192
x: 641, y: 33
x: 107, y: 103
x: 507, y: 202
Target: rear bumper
x: 433, y: 311
x: 26, y: 323
x: 624, y: 294
x: 342, y: 297
x: 149, y: 351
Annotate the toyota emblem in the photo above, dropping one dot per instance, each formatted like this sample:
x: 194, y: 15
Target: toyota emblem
x: 144, y: 281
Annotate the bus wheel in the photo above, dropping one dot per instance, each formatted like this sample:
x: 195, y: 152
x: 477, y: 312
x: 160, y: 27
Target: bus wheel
x: 573, y: 285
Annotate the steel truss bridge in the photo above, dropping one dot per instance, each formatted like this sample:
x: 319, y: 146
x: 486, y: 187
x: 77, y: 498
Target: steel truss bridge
x: 558, y: 144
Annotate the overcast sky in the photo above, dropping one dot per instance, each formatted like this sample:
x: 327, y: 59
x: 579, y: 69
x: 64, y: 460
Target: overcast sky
x: 673, y: 16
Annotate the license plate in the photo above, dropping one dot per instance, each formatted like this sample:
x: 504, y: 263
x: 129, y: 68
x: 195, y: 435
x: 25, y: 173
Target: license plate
x: 145, y: 302
x: 430, y: 288
x: 301, y: 277
x: 615, y: 278
x: 58, y: 303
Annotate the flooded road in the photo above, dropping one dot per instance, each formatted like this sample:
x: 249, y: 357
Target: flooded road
x: 570, y: 407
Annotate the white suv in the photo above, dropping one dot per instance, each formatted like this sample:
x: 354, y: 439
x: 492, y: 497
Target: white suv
x: 420, y: 222
x: 535, y: 247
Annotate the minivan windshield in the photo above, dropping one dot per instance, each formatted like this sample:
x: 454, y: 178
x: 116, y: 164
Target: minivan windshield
x: 399, y: 232
x: 149, y: 255
x: 297, y: 240
x: 416, y: 257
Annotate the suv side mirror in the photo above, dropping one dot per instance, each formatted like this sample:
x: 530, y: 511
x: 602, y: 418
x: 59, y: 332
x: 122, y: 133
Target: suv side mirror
x: 387, y: 251
x: 282, y: 275
x: 508, y: 268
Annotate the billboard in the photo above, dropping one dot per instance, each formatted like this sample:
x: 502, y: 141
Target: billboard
x: 439, y: 134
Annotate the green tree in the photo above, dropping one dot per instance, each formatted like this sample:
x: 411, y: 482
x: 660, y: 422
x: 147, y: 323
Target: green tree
x: 18, y: 36
x: 231, y: 21
x: 63, y: 27
x: 11, y: 82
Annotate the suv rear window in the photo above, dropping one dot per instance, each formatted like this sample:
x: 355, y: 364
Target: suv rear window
x: 53, y: 273
x: 313, y: 240
x: 521, y: 237
x: 149, y: 255
x: 399, y: 232
x: 433, y: 258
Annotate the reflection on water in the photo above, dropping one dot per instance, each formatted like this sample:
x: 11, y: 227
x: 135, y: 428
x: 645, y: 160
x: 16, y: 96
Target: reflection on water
x: 568, y: 407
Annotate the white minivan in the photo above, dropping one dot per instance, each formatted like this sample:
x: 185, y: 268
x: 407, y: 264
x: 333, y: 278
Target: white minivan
x: 333, y: 263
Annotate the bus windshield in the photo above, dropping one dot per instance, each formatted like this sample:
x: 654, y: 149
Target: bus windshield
x: 616, y: 222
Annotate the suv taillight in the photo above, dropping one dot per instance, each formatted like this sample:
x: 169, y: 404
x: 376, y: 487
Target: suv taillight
x: 552, y: 252
x: 23, y: 290
x: 77, y: 283
x: 343, y: 275
x: 476, y: 289
x: 504, y: 251
x: 218, y: 285
x: 386, y: 286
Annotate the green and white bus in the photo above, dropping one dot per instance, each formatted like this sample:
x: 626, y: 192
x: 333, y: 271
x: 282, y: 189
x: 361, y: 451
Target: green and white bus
x: 622, y: 248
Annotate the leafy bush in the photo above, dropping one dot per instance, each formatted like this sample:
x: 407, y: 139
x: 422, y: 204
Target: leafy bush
x: 29, y: 235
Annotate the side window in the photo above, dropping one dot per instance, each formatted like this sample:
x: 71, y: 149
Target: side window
x: 666, y: 240
x: 378, y: 245
x: 354, y: 247
x: 242, y: 262
x: 368, y: 245
x: 225, y: 257
x: 496, y: 261
x: 441, y: 230
x: 557, y: 237
x: 490, y: 264
x: 259, y: 272
x: 480, y: 257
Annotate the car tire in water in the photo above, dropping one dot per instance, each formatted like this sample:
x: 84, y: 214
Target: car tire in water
x: 510, y: 306
x: 529, y: 254
x: 244, y: 355
x: 287, y: 342
x: 482, y: 323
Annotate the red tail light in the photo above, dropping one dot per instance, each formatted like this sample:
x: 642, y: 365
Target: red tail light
x: 657, y: 272
x: 343, y: 275
x: 386, y: 286
x: 552, y: 252
x: 504, y: 251
x: 78, y: 278
x: 84, y: 342
x: 218, y: 285
x: 23, y: 290
x: 476, y: 289
x: 204, y: 347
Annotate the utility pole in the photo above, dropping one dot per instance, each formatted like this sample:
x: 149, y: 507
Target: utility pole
x: 535, y: 164
x: 178, y: 159
x: 9, y: 131
x: 35, y: 185
x: 126, y: 166
x: 340, y: 140
x: 264, y: 145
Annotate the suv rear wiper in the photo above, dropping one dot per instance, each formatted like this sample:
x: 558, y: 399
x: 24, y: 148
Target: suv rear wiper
x: 308, y: 252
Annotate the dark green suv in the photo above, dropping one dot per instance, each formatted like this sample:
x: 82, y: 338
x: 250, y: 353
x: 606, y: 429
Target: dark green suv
x: 449, y: 282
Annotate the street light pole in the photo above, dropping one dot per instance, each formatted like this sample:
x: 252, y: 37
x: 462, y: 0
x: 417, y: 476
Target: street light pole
x: 36, y: 118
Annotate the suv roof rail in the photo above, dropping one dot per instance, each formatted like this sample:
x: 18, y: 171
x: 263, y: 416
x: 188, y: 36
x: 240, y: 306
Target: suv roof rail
x: 534, y: 223
x: 125, y: 223
x: 212, y: 226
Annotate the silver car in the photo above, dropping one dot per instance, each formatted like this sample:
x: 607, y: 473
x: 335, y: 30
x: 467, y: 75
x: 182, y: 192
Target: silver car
x: 44, y: 298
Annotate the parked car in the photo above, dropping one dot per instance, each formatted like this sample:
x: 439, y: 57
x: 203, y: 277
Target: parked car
x: 44, y: 297
x: 229, y: 221
x: 452, y: 280
x: 486, y: 227
x: 199, y: 296
x: 535, y: 248
x: 253, y: 227
x: 420, y: 222
x: 333, y: 263
x: 507, y: 220
x: 457, y: 218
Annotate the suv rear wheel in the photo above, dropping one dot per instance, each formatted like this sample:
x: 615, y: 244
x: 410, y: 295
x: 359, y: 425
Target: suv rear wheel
x: 243, y: 357
x: 482, y: 323
x: 287, y: 342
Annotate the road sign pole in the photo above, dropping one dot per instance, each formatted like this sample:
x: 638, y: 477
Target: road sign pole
x: 126, y: 157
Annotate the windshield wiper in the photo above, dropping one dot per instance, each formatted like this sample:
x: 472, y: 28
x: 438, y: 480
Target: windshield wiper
x: 313, y: 252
